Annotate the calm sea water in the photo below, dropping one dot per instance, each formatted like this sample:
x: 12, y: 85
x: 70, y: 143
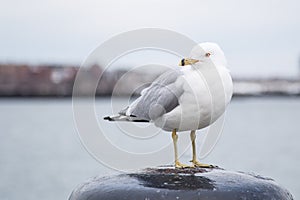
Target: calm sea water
x: 41, y: 156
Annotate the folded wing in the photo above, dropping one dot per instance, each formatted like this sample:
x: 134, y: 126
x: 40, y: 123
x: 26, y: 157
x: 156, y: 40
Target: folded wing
x: 159, y: 98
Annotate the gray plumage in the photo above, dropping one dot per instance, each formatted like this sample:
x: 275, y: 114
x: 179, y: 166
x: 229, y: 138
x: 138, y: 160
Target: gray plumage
x: 159, y: 98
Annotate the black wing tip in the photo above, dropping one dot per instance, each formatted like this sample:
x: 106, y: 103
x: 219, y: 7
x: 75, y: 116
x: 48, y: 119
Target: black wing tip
x: 108, y: 118
x: 133, y: 120
x: 140, y: 120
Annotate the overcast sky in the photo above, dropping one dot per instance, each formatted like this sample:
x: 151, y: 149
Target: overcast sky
x: 258, y: 37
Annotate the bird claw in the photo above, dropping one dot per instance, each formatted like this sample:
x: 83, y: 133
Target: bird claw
x: 201, y: 165
x: 179, y: 165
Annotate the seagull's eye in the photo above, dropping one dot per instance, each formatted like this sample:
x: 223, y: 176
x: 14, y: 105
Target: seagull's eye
x: 207, y: 54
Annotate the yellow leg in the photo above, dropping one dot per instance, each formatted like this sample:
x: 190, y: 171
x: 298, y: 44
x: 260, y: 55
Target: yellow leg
x: 194, y: 160
x: 177, y: 163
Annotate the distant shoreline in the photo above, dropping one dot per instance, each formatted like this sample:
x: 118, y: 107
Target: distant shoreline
x: 58, y: 81
x: 235, y: 96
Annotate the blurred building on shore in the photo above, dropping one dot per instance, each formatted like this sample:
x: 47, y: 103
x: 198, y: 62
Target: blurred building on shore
x: 57, y: 81
x: 25, y: 80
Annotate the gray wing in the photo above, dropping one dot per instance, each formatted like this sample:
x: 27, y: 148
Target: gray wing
x: 159, y: 98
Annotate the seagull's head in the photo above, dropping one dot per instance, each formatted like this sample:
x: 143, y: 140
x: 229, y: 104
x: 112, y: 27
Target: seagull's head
x: 204, y: 53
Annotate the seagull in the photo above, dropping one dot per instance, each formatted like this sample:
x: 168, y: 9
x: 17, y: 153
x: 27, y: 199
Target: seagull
x: 188, y: 98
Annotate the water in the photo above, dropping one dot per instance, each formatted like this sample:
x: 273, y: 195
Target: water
x: 41, y: 156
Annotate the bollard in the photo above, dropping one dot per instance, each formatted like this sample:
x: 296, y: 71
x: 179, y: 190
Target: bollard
x: 190, y: 183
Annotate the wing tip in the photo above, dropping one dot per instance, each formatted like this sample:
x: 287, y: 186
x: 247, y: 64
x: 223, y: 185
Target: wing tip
x: 124, y: 118
x: 108, y: 118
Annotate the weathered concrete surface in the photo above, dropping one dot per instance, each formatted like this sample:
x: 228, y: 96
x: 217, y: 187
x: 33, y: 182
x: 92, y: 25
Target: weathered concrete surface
x: 169, y: 183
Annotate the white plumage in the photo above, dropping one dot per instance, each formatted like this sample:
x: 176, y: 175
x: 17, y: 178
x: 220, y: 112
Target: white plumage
x: 203, y: 101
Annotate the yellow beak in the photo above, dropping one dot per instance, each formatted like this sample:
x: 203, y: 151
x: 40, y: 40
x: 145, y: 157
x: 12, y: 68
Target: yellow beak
x: 188, y: 61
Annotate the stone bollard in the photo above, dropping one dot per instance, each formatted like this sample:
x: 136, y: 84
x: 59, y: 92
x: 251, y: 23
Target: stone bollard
x: 190, y: 183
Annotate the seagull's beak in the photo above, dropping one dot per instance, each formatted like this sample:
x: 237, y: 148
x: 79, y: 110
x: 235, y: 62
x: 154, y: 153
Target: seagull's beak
x: 188, y: 61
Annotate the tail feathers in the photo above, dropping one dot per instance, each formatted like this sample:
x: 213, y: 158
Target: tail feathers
x: 124, y: 118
